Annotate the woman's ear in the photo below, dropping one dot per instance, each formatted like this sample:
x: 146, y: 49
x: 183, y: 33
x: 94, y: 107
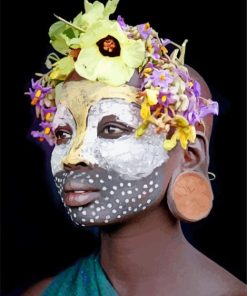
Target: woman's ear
x: 189, y: 194
x: 196, y: 157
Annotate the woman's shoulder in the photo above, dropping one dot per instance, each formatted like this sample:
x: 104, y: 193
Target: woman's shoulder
x: 215, y: 280
x: 38, y: 288
x: 63, y: 280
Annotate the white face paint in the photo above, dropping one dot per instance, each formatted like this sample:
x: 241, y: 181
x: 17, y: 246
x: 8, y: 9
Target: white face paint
x: 62, y: 118
x: 128, y: 156
x: 127, y: 172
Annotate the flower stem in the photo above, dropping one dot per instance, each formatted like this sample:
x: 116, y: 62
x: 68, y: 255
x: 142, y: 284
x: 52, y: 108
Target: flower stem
x: 69, y: 24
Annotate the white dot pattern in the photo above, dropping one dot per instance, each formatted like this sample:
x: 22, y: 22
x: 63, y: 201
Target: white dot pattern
x: 117, y: 199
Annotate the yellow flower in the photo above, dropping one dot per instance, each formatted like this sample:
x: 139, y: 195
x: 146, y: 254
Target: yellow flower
x: 108, y: 55
x: 184, y: 133
x: 152, y: 96
x: 65, y: 35
x: 94, y: 12
x: 145, y: 110
x: 62, y: 68
x: 141, y: 129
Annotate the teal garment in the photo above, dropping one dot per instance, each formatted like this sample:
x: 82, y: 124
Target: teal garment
x: 85, y: 278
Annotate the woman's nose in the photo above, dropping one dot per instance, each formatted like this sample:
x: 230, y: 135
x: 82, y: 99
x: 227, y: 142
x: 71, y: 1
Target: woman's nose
x: 74, y: 167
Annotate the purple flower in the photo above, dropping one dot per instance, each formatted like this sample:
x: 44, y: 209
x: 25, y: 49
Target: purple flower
x: 183, y: 74
x: 122, y: 23
x: 156, y: 49
x: 165, y: 99
x: 41, y: 136
x: 45, y: 134
x: 197, y: 89
x: 191, y: 114
x: 148, y: 66
x: 195, y: 113
x: 161, y: 78
x: 37, y: 92
x: 165, y: 42
x: 144, y: 30
x: 47, y: 126
x: 48, y: 113
x: 211, y: 108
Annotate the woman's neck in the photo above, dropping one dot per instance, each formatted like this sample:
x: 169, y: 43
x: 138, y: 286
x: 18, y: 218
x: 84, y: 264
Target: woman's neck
x: 145, y: 248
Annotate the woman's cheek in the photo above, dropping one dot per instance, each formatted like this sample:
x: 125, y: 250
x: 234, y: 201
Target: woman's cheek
x: 131, y: 158
x: 58, y: 154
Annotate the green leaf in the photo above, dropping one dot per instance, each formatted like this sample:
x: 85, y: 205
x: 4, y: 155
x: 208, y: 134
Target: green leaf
x: 70, y: 33
x: 57, y: 38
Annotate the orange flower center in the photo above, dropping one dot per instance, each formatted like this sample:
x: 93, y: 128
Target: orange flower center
x: 36, y: 97
x: 162, y: 77
x: 38, y: 93
x: 163, y: 98
x: 109, y: 46
x: 146, y: 26
x: 47, y: 131
x: 48, y: 116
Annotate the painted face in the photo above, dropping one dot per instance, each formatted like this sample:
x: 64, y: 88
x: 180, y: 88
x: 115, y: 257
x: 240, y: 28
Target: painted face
x: 103, y: 173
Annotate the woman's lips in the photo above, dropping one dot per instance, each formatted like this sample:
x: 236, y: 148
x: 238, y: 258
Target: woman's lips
x: 80, y: 198
x: 78, y: 195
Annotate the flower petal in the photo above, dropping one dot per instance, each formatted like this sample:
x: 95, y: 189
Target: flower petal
x: 113, y: 71
x: 110, y: 7
x: 93, y: 12
x: 183, y: 139
x: 192, y: 134
x: 152, y: 96
x: 181, y: 121
x: 62, y: 68
x: 145, y: 110
x: 58, y: 40
x: 211, y: 108
x: 141, y: 129
x: 169, y: 144
x: 133, y: 53
x: 100, y: 30
x: 87, y: 62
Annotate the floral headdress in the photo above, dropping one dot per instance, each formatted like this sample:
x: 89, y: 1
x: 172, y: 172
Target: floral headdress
x: 109, y: 51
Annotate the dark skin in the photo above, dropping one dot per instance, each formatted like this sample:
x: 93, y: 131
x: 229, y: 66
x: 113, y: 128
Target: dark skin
x: 149, y: 255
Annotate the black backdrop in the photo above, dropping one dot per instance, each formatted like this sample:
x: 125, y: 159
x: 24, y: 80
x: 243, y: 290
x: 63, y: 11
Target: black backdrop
x: 37, y: 238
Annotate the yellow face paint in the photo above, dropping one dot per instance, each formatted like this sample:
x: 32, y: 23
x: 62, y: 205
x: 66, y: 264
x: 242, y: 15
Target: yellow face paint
x: 78, y: 97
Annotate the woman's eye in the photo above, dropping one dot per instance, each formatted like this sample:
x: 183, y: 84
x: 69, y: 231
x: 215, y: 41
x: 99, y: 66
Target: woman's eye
x: 62, y: 136
x: 113, y: 131
x: 110, y: 129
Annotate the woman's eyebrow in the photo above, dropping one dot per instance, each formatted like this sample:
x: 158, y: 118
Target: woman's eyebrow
x: 108, y: 118
x: 113, y: 118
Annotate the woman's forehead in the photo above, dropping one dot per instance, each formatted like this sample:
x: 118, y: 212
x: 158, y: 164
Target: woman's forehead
x: 120, y: 109
x: 87, y: 92
x: 84, y: 97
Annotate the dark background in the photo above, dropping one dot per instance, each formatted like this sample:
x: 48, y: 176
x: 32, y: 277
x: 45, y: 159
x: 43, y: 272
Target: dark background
x: 38, y: 240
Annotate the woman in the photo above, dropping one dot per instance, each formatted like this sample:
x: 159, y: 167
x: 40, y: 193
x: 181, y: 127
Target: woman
x: 131, y: 125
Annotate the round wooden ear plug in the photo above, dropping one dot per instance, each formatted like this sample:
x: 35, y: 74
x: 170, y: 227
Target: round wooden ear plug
x: 190, y: 197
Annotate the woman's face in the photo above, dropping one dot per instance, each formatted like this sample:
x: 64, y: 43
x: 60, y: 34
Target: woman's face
x: 103, y: 173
